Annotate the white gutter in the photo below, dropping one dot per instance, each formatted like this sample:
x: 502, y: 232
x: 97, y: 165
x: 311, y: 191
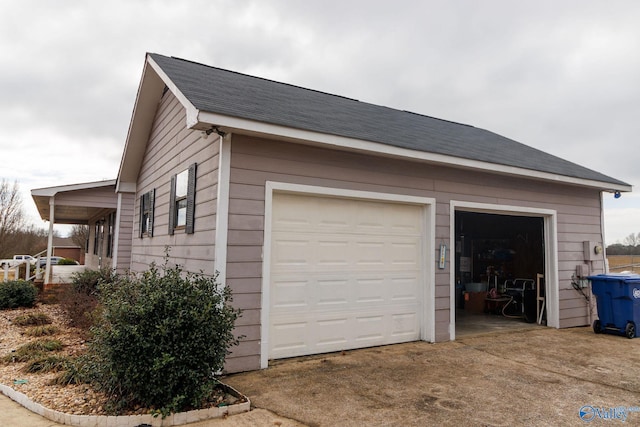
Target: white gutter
x: 237, y: 125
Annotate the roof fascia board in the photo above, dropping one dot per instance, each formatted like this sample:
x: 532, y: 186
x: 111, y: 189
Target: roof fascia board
x: 239, y: 125
x: 191, y: 110
x: 52, y: 191
x: 126, y: 187
x: 149, y: 94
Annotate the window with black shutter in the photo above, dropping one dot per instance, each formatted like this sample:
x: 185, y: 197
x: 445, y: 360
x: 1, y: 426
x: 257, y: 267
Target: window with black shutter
x: 147, y: 202
x: 182, y: 201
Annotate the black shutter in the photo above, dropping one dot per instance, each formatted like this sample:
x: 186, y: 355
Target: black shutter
x: 152, y: 206
x: 141, y: 230
x: 172, y: 206
x: 191, y: 198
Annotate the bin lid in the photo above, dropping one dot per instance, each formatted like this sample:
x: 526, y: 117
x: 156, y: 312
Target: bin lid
x: 627, y: 277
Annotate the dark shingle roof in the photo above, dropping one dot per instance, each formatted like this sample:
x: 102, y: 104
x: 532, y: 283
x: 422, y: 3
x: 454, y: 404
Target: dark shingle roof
x: 234, y: 94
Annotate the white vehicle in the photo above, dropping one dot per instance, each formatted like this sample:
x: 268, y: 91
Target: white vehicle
x: 17, y: 259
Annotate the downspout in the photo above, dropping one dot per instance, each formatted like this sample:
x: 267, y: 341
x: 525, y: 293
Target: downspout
x: 604, y: 245
x: 593, y: 308
x: 47, y: 271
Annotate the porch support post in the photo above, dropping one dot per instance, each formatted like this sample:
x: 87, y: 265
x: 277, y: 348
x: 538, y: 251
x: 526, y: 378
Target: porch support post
x: 47, y: 271
x: 116, y: 235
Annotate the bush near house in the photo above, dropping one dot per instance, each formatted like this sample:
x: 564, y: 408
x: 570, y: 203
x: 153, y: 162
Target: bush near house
x: 160, y: 337
x: 89, y: 281
x: 80, y: 298
x: 17, y: 293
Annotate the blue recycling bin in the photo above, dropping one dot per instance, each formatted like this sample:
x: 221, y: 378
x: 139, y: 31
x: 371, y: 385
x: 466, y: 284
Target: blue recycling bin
x: 618, y: 301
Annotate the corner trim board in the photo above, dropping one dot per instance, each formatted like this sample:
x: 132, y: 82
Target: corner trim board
x: 222, y: 214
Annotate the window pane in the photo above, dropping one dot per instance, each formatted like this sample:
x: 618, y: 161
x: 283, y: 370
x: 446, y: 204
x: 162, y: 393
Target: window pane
x: 181, y: 206
x: 182, y: 182
x: 145, y: 222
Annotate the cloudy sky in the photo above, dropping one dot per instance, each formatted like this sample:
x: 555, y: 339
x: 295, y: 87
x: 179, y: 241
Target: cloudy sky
x: 562, y: 76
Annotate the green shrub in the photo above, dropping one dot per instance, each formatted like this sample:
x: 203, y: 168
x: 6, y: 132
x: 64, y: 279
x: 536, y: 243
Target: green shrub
x: 66, y: 261
x: 161, y: 337
x: 33, y: 319
x: 17, y: 293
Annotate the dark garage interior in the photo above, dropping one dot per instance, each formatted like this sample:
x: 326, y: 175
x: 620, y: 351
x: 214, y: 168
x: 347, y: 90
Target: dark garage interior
x: 499, y: 268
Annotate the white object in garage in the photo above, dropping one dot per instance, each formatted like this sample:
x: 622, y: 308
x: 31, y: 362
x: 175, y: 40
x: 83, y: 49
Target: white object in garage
x: 345, y: 273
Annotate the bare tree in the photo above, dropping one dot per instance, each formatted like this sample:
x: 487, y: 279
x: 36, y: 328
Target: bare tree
x: 80, y: 235
x: 632, y: 240
x: 11, y: 217
x: 31, y: 240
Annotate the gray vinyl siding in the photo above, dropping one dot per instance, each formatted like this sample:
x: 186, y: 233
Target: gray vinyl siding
x: 255, y: 161
x: 171, y: 149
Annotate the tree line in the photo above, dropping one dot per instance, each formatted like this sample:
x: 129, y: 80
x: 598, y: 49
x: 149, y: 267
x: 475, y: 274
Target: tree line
x: 630, y: 246
x: 16, y: 235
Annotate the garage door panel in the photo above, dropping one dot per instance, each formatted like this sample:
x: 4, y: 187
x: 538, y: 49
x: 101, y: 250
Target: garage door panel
x: 404, y: 289
x: 330, y: 252
x: 368, y: 291
x: 324, y: 332
x: 308, y: 250
x: 290, y: 294
x: 296, y: 342
x: 333, y: 252
x: 327, y: 215
x: 370, y: 328
x: 288, y: 253
x: 329, y: 290
x: 346, y: 274
x: 404, y: 253
x: 331, y: 293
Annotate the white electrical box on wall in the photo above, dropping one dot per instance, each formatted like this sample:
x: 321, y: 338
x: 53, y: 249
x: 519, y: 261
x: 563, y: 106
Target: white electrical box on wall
x: 592, y: 251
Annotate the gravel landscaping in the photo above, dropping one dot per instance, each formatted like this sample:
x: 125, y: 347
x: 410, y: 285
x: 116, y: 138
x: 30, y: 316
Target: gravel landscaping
x: 72, y: 399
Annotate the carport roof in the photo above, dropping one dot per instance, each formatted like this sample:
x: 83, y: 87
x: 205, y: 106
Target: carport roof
x: 75, y: 204
x: 229, y: 100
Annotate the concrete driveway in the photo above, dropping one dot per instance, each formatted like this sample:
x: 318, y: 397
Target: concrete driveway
x: 537, y: 377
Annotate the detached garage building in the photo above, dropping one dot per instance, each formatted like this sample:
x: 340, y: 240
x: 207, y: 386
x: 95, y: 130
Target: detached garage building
x: 340, y: 224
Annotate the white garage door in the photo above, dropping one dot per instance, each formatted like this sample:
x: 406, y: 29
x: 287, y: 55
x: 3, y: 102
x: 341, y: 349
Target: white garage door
x: 345, y: 273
